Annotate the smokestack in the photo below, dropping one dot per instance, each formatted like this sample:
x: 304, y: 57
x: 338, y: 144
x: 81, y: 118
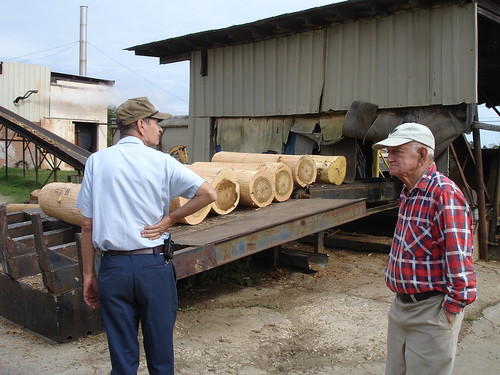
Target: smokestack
x: 83, y: 41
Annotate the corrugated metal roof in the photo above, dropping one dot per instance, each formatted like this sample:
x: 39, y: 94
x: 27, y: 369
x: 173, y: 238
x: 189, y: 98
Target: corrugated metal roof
x: 181, y: 48
x: 411, y: 59
x: 77, y: 78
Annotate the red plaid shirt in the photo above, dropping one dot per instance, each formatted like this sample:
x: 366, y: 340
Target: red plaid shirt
x: 432, y: 245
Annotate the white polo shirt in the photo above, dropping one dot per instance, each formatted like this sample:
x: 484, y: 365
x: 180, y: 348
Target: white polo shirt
x: 128, y: 186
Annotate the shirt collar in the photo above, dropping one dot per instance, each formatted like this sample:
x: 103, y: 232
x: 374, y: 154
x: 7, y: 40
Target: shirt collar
x: 423, y: 181
x: 130, y: 139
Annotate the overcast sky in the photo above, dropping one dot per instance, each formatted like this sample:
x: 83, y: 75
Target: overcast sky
x: 47, y: 33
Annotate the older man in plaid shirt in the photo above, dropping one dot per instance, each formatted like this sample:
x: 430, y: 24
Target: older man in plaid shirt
x: 430, y: 265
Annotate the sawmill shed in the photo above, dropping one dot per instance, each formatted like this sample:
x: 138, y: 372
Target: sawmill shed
x: 334, y: 79
x: 329, y: 80
x: 409, y: 58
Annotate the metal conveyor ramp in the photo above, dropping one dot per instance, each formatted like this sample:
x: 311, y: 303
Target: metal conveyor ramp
x: 45, y: 139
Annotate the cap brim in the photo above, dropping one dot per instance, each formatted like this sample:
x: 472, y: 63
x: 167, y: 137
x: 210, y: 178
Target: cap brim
x: 390, y: 142
x: 161, y: 116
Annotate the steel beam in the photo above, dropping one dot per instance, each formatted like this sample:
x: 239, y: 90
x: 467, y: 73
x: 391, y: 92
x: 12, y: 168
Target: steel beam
x: 325, y: 214
x: 52, y: 143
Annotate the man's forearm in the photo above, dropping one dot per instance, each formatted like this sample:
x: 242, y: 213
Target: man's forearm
x: 204, y: 196
x: 88, y: 251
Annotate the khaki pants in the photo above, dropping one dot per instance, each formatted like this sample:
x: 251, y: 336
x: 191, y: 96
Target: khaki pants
x: 420, y: 341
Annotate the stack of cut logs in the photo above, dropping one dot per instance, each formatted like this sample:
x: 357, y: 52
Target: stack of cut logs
x: 245, y: 179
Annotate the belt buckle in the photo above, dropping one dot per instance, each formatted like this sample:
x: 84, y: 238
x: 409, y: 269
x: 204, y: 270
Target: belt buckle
x: 413, y: 298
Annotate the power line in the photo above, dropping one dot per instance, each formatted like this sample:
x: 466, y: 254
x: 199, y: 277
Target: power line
x: 44, y: 57
x: 126, y: 67
x: 41, y: 51
x: 71, y: 45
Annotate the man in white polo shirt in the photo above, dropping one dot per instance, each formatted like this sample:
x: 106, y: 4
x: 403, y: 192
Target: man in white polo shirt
x: 125, y: 198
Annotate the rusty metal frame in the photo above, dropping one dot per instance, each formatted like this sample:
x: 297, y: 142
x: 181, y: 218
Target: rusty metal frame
x: 35, y: 159
x: 194, y: 259
x: 45, y: 141
x: 375, y: 190
x: 56, y: 309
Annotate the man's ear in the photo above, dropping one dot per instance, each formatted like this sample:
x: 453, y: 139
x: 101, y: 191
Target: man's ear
x: 140, y: 126
x: 424, y: 153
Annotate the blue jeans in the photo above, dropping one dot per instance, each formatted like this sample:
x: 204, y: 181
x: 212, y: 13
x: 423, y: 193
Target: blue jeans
x: 133, y: 289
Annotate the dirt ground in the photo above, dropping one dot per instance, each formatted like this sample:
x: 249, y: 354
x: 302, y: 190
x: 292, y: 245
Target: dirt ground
x: 288, y: 322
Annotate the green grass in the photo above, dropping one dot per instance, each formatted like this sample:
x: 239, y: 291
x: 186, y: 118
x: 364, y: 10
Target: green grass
x: 185, y: 309
x: 471, y: 319
x: 19, y: 184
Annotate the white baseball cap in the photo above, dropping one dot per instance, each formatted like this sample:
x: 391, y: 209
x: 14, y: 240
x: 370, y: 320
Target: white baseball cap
x: 407, y: 132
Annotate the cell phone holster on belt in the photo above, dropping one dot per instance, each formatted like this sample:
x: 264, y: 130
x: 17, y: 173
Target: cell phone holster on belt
x: 168, y: 250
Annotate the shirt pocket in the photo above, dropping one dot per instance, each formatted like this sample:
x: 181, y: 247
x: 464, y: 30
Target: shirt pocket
x: 418, y: 240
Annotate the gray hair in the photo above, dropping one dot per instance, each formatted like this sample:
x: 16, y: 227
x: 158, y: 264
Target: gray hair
x: 430, y: 150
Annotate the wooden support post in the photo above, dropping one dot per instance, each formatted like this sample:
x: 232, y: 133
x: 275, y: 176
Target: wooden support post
x: 60, y: 273
x: 97, y: 257
x: 496, y: 202
x: 481, y: 205
x: 78, y: 239
x: 36, y: 223
x: 276, y: 256
x: 467, y: 188
x: 319, y: 243
x: 3, y: 237
x: 376, y: 164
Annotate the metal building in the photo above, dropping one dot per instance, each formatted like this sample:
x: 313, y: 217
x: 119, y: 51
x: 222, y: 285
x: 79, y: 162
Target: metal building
x: 395, y: 54
x: 72, y: 107
x: 334, y: 79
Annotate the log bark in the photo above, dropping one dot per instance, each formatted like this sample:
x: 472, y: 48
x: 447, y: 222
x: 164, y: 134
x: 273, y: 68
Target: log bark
x: 57, y: 199
x: 225, y: 182
x: 303, y: 166
x: 192, y: 219
x: 283, y: 177
x: 16, y: 207
x: 331, y: 169
x: 34, y: 196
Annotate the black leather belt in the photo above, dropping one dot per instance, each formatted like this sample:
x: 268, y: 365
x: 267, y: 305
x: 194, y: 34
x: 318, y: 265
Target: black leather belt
x: 148, y: 250
x: 413, y: 298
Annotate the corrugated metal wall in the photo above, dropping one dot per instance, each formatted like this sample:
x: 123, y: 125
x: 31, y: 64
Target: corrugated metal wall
x: 16, y: 79
x: 274, y: 77
x: 199, y: 133
x: 56, y: 106
x: 410, y: 59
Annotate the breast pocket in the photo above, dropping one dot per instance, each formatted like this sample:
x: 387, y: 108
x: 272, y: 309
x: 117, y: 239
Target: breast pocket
x: 418, y: 240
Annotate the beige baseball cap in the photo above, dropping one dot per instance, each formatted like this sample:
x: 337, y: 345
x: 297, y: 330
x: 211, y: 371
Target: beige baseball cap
x: 407, y: 132
x: 135, y: 109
